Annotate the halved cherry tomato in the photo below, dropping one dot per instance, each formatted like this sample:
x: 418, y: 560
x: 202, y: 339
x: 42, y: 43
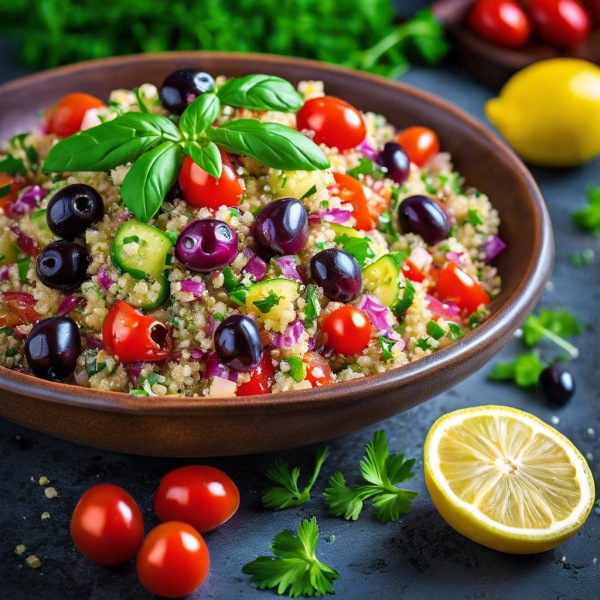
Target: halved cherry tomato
x: 502, y: 22
x: 261, y: 379
x: 132, y: 336
x: 202, y: 190
x: 15, y: 185
x: 336, y: 123
x: 318, y: 371
x: 455, y: 285
x: 412, y: 272
x: 17, y: 308
x: 561, y: 23
x: 202, y: 496
x: 421, y: 144
x: 107, y: 525
x: 593, y: 9
x: 173, y: 560
x: 348, y: 330
x: 350, y: 190
x: 65, y: 117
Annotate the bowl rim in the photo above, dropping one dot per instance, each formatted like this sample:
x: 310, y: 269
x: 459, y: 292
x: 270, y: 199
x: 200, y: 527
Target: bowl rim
x: 481, y: 338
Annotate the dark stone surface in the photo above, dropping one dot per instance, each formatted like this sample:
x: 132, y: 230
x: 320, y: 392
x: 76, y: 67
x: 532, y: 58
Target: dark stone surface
x: 418, y: 557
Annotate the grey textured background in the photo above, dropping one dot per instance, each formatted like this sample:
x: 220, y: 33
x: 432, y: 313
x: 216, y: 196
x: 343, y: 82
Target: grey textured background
x: 418, y: 557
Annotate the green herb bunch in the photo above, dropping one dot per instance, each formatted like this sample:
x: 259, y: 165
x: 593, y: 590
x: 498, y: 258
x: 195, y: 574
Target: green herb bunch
x: 158, y: 147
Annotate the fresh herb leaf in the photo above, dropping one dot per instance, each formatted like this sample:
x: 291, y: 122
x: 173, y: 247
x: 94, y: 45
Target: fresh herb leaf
x: 427, y: 182
x: 10, y: 352
x: 385, y: 224
x: 239, y: 295
x: 140, y: 100
x: 525, y: 370
x: 12, y: 166
x: 386, y: 347
x: 399, y: 257
x: 5, y: 190
x: 273, y: 144
x: 150, y: 178
x: 22, y: 268
x: 578, y: 259
x: 554, y: 325
x: 138, y: 393
x: 455, y: 331
x: 458, y: 182
x: 9, y: 331
x: 208, y: 157
x: 423, y: 344
x: 310, y: 192
x: 407, y: 298
x: 587, y: 218
x: 199, y: 116
x: 357, y: 246
x: 219, y: 317
x: 30, y: 151
x: 234, y: 211
x: 266, y: 304
x: 287, y: 494
x: 296, y: 566
x: 382, y: 471
x: 365, y: 167
x: 297, y: 368
x: 230, y: 281
x: 434, y: 330
x: 312, y: 309
x: 261, y: 92
x: 474, y: 217
x: 477, y: 318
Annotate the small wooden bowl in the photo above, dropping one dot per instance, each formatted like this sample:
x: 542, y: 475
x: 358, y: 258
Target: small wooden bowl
x: 495, y: 65
x: 243, y: 425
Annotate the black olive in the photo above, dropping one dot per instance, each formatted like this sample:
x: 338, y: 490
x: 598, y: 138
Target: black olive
x: 62, y: 265
x: 73, y: 210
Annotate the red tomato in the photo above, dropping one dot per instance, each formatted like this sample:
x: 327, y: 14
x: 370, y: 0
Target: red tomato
x: 502, y: 22
x: 65, y: 117
x: 318, y: 371
x: 17, y: 308
x: 348, y: 330
x: 203, y: 497
x: 593, y: 9
x: 202, y: 190
x: 421, y: 144
x: 350, y: 190
x: 173, y: 560
x: 336, y: 123
x: 261, y: 379
x: 132, y: 336
x: 561, y: 23
x: 456, y: 286
x: 107, y: 525
x: 15, y: 185
x: 412, y: 272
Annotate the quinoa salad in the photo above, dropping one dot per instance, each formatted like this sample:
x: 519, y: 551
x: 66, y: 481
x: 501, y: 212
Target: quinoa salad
x: 217, y: 237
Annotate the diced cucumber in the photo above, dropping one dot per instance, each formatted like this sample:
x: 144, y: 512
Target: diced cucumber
x: 149, y: 260
x: 295, y: 184
x: 341, y: 229
x: 383, y: 279
x: 38, y: 218
x: 286, y: 290
x: 8, y: 251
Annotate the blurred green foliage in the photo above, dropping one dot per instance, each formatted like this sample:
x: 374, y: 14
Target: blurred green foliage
x: 355, y: 33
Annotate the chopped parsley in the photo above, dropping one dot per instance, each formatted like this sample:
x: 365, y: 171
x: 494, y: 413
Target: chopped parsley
x: 5, y: 190
x: 477, y: 318
x: 426, y: 179
x: 266, y: 304
x: 366, y: 167
x: 359, y: 247
x: 10, y: 352
x: 239, y: 295
x: 234, y: 211
x: 30, y: 151
x: 524, y: 370
x: 386, y: 347
x: 9, y: 331
x: 12, y: 166
x: 455, y: 331
x: 312, y: 309
x: 219, y: 317
x: 407, y: 298
x: 434, y: 330
x: 23, y: 267
x: 310, y: 192
x: 297, y: 368
x: 474, y: 217
x: 385, y: 224
x: 588, y: 218
x: 230, y: 281
x: 457, y: 182
x: 423, y: 344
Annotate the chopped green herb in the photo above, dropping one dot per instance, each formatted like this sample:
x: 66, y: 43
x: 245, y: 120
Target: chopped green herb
x: 554, y: 325
x: 322, y: 245
x: 366, y: 167
x: 474, y: 217
x: 230, y: 281
x: 297, y: 368
x: 266, y: 304
x: 423, y: 344
x: 138, y: 393
x: 9, y: 331
x: 385, y: 224
x: 455, y: 331
x: 399, y: 257
x: 23, y: 267
x: 477, y: 318
x: 312, y: 309
x: 444, y: 248
x: 579, y: 259
x: 426, y: 179
x: 357, y: 246
x: 524, y: 370
x: 140, y: 101
x: 5, y: 190
x: 452, y: 232
x: 256, y: 211
x: 588, y: 218
x: 310, y: 192
x: 386, y: 347
x: 234, y: 211
x: 407, y: 298
x: 30, y: 151
x: 239, y: 295
x: 10, y: 352
x: 284, y: 181
x: 12, y: 166
x: 457, y: 182
x: 435, y: 330
x: 218, y: 317
x: 324, y: 204
x: 287, y: 494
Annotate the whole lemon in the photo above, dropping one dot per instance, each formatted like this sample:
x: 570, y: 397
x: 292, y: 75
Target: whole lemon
x: 549, y: 112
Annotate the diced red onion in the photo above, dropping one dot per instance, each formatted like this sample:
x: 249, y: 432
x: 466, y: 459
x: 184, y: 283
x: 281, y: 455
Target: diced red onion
x: 446, y: 310
x: 222, y: 388
x: 82, y: 378
x: 381, y: 316
x: 421, y: 258
x: 68, y: 304
x: 289, y: 338
x: 90, y: 119
x: 454, y: 257
x: 104, y: 281
x: 256, y: 267
x: 4, y: 273
x: 287, y: 266
x: 196, y: 354
x: 197, y: 288
x: 174, y: 358
x: 93, y: 342
x: 332, y: 215
x: 124, y: 217
x: 215, y: 368
x: 25, y: 243
x: 492, y: 247
x: 311, y: 342
x: 27, y: 202
x: 134, y: 370
x: 367, y: 150
x: 211, y: 325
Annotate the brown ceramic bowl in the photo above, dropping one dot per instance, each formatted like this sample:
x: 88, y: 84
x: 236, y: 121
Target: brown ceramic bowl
x: 212, y: 427
x: 495, y: 65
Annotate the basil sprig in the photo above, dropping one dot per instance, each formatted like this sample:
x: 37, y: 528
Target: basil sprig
x: 157, y: 147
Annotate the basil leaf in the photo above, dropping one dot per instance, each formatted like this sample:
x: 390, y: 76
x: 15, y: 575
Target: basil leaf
x: 150, y: 178
x: 273, y: 144
x: 261, y: 92
x: 12, y: 166
x: 266, y: 304
x: 208, y: 158
x: 297, y: 368
x: 199, y: 115
x: 111, y: 144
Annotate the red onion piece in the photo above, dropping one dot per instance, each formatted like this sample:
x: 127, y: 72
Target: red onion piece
x: 215, y: 368
x: 454, y: 257
x: 256, y: 267
x: 4, y: 275
x: 311, y: 342
x: 134, y: 370
x: 104, y: 281
x: 287, y: 266
x: 68, y: 304
x: 27, y: 202
x: 492, y: 247
x: 93, y: 342
x: 289, y: 338
x: 446, y: 310
x: 332, y: 215
x: 211, y: 325
x: 25, y: 244
x: 381, y: 316
x: 124, y: 217
x: 367, y: 150
x: 197, y: 288
x: 196, y: 354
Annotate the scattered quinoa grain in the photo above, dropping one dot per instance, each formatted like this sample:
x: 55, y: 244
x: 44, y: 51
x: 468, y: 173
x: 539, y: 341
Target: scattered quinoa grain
x: 45, y: 515
x: 33, y: 561
x: 44, y: 480
x: 20, y: 549
x: 50, y: 492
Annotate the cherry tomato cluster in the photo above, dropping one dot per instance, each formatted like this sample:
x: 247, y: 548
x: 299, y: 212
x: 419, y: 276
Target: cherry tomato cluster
x: 172, y: 561
x: 561, y: 23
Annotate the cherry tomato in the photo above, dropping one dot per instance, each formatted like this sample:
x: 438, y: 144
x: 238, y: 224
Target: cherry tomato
x: 107, y: 525
x: 318, y: 371
x: 132, y: 336
x: 261, y: 379
x: 350, y: 190
x: 502, y: 22
x: 593, y: 9
x: 348, y: 330
x: 17, y: 308
x: 202, y: 496
x: 173, y: 560
x: 65, y: 117
x: 15, y: 185
x: 421, y: 144
x: 202, y: 190
x: 412, y: 272
x: 456, y: 286
x: 561, y: 23
x: 336, y: 123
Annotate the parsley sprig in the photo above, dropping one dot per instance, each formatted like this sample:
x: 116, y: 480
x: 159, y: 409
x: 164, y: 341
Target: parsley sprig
x: 553, y: 325
x: 588, y: 218
x: 287, y: 493
x: 382, y: 471
x: 524, y: 370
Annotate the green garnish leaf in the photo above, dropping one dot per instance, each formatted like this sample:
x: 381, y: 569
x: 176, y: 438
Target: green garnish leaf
x: 474, y: 217
x: 150, y: 178
x: 261, y: 92
x: 310, y: 192
x: 287, y: 494
x: 9, y: 331
x: 30, y: 151
x: 357, y: 246
x: 296, y: 566
x: 587, y: 218
x: 138, y: 393
x: 5, y: 190
x: 239, y: 295
x: 407, y: 298
x: 12, y: 166
x: 208, y: 157
x: 219, y: 317
x: 386, y: 347
x: 140, y: 101
x: 423, y: 344
x: 230, y: 281
x: 199, y: 116
x: 434, y: 330
x: 455, y: 331
x: 23, y: 267
x: 297, y: 368
x: 478, y: 317
x: 234, y: 211
x: 382, y: 471
x: 111, y: 144
x: 554, y: 325
x: 266, y: 304
x: 273, y: 144
x: 312, y: 309
x: 365, y: 167
x: 385, y: 224
x: 399, y: 257
x: 524, y: 370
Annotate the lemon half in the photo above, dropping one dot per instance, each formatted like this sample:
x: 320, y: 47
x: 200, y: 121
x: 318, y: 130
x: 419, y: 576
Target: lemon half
x: 507, y: 480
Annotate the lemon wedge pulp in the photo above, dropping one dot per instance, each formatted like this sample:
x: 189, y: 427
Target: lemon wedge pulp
x: 507, y: 480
